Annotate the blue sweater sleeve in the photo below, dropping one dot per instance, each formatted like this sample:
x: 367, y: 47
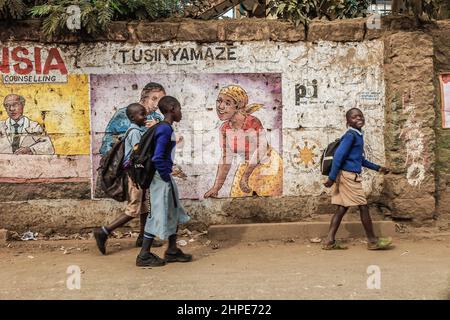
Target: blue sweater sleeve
x: 366, y: 163
x: 160, y: 157
x: 340, y: 155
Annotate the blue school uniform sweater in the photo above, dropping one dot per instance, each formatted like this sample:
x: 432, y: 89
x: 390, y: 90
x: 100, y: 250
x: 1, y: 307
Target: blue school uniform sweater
x: 163, y: 155
x: 135, y: 134
x: 349, y: 156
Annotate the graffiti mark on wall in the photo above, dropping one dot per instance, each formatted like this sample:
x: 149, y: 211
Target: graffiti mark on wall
x: 414, y: 142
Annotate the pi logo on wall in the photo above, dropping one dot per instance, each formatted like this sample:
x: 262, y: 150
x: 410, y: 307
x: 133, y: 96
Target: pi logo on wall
x: 44, y: 117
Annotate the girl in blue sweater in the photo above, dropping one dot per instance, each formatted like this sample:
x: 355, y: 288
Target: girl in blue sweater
x: 345, y: 175
x: 166, y: 209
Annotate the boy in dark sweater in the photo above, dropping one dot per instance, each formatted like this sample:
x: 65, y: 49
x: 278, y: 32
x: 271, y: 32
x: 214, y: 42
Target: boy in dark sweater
x: 345, y: 175
x: 167, y: 211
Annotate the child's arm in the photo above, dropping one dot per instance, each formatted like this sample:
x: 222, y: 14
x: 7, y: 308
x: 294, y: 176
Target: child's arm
x: 163, y: 138
x: 366, y: 163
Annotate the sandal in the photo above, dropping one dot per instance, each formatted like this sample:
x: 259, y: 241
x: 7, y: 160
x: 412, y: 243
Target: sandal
x: 381, y: 244
x: 336, y: 245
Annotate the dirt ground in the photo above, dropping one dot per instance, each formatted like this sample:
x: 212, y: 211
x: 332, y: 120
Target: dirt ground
x: 416, y: 268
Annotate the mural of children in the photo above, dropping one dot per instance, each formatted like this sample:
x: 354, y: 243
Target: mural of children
x: 19, y: 134
x: 241, y: 133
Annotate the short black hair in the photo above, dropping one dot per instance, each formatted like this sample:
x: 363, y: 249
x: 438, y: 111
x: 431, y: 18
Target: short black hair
x: 166, y: 103
x: 153, y: 86
x: 132, y: 109
x: 347, y: 115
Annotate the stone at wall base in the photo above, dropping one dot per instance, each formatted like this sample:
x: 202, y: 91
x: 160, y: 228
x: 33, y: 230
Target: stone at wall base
x: 288, y: 230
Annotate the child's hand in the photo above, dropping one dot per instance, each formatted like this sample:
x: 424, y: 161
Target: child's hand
x: 178, y: 172
x: 384, y: 170
x: 329, y: 183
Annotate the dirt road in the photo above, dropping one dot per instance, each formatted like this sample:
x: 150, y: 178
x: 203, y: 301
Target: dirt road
x: 414, y: 269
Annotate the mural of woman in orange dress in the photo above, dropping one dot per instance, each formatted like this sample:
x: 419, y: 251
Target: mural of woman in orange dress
x: 261, y: 173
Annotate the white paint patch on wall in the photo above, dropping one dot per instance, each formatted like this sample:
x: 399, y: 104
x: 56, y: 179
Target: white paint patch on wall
x: 414, y: 142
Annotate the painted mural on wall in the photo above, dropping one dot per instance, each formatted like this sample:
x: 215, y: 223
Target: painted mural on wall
x: 272, y: 138
x: 44, y: 118
x: 236, y: 117
x: 260, y: 170
x: 18, y: 133
x: 445, y: 94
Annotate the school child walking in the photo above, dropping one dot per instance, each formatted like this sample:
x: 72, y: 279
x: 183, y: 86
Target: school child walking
x: 167, y: 211
x: 345, y: 175
x: 137, y: 203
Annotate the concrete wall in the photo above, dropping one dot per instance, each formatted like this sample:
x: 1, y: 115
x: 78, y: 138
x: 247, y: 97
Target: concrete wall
x: 306, y: 82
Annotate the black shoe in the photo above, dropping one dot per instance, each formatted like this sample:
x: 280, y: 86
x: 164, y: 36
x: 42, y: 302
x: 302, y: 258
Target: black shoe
x: 155, y: 244
x: 100, y: 238
x: 179, y: 256
x: 149, y: 260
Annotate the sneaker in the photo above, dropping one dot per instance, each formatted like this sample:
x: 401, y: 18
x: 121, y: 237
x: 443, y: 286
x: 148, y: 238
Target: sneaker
x: 149, y: 260
x: 178, y: 256
x: 156, y: 243
x: 100, y: 238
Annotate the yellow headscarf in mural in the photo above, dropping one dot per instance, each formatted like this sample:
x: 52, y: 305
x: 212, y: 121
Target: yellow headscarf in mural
x: 240, y: 96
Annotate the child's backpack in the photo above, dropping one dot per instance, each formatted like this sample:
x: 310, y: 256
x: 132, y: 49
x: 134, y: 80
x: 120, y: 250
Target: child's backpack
x: 142, y: 169
x: 112, y: 176
x: 326, y: 160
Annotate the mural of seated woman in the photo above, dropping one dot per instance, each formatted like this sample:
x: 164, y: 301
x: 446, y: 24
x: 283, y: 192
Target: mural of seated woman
x: 261, y: 171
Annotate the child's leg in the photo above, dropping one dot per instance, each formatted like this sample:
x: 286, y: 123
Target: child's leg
x: 143, y: 220
x: 146, y: 244
x: 367, y: 223
x: 335, y: 223
x: 145, y: 258
x: 173, y: 253
x: 172, y: 247
x: 120, y: 221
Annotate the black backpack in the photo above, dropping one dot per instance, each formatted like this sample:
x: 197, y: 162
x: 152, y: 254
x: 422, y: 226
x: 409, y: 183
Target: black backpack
x: 142, y: 169
x: 326, y: 160
x: 112, y: 175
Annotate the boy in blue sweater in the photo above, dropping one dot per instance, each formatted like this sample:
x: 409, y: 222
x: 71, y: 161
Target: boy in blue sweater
x: 345, y: 175
x: 167, y: 211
